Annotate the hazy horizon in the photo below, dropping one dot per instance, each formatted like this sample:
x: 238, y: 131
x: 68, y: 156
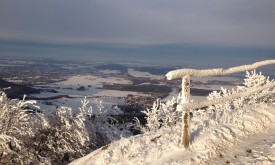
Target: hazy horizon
x: 199, y: 33
x: 156, y: 54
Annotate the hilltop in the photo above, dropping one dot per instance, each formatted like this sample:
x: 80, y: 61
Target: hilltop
x: 250, y: 139
x: 237, y: 131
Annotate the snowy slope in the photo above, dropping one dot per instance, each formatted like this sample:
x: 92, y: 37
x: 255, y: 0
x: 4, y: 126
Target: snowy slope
x: 248, y: 139
x: 255, y: 149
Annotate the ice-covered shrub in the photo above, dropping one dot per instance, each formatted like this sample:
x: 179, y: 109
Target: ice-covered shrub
x: 34, y: 137
x: 105, y: 128
x: 15, y: 127
x: 229, y: 111
x: 252, y: 80
x: 162, y: 114
x: 63, y: 136
x: 27, y: 136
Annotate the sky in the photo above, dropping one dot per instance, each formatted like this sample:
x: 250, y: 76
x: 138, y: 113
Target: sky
x: 100, y: 29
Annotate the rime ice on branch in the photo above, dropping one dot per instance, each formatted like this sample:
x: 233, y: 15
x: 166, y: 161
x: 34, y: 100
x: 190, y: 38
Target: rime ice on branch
x: 185, y: 74
x: 197, y: 105
x: 215, y: 72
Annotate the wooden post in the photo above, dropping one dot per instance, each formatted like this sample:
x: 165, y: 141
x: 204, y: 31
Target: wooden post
x: 185, y: 112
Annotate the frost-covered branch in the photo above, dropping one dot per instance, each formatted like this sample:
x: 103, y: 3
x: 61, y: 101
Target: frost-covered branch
x: 37, y: 137
x: 196, y: 105
x: 215, y: 72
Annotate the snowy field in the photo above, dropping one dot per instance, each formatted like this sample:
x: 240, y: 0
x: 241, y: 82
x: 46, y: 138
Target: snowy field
x: 93, y: 89
x: 231, y: 82
x: 107, y: 71
x: 92, y: 80
x: 136, y: 73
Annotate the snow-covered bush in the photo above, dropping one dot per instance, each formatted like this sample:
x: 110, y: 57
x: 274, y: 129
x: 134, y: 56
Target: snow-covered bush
x: 27, y: 136
x: 162, y: 114
x: 15, y: 127
x: 252, y: 80
x: 34, y: 137
x: 165, y: 114
x: 229, y: 111
x: 103, y: 128
x: 63, y: 136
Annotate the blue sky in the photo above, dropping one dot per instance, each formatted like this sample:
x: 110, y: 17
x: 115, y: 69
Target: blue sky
x: 122, y: 28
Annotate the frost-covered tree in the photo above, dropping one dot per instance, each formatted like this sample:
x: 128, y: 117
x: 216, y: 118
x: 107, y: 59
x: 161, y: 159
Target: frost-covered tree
x: 30, y: 137
x: 229, y: 111
x: 34, y: 137
x: 161, y: 115
x: 63, y: 136
x: 103, y: 128
x: 15, y: 127
x: 223, y: 112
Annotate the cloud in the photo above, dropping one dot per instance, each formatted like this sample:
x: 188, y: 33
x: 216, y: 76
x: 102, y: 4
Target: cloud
x: 246, y: 23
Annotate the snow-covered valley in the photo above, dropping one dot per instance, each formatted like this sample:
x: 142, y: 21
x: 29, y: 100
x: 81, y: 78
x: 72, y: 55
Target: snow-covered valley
x: 83, y: 121
x: 74, y: 88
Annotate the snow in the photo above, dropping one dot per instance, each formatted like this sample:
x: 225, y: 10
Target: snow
x: 107, y: 71
x: 116, y: 93
x: 93, y: 89
x: 136, y: 73
x: 92, y: 80
x: 237, y: 131
x: 214, y: 144
x: 13, y: 80
x: 75, y: 103
x: 10, y: 65
x: 241, y: 131
x: 16, y: 63
x: 254, y: 149
x: 196, y: 105
x: 217, y: 78
x: 215, y: 72
x: 208, y: 85
x: 173, y: 93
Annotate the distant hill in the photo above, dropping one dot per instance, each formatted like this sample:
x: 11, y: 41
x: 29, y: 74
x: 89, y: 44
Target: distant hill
x: 16, y: 91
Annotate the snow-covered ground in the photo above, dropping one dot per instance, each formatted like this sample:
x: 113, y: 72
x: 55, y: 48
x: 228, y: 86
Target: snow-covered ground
x: 93, y: 89
x: 136, y: 73
x: 255, y: 149
x: 107, y: 71
x: 250, y: 139
x: 231, y: 82
x: 94, y: 81
x: 240, y: 131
